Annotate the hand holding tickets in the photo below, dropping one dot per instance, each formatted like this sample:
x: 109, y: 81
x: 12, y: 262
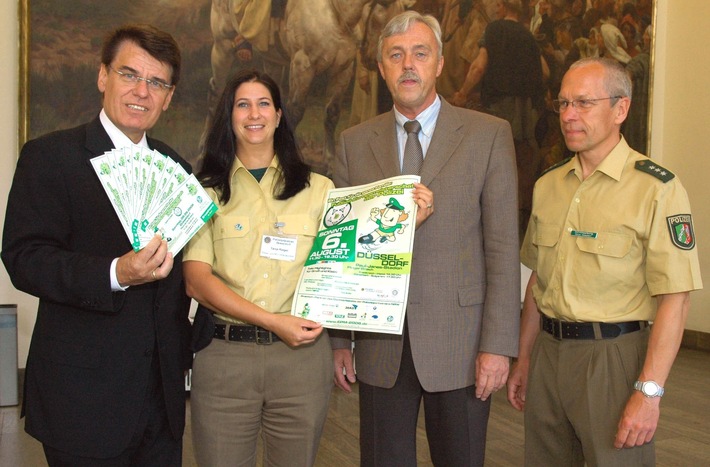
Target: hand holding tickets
x: 151, y: 194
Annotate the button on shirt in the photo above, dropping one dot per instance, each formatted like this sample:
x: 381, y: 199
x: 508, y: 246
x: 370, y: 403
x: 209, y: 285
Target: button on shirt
x: 231, y: 240
x: 602, y: 247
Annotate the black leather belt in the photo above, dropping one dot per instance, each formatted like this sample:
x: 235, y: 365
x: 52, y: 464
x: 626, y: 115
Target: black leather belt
x: 571, y: 330
x: 245, y: 333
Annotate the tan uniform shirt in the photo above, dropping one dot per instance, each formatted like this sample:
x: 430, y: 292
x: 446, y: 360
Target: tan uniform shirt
x: 604, y: 246
x: 231, y: 241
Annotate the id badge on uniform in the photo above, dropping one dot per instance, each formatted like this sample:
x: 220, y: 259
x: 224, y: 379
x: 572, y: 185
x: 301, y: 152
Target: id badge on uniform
x: 279, y: 246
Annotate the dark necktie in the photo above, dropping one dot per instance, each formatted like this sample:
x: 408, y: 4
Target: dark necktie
x: 413, y: 154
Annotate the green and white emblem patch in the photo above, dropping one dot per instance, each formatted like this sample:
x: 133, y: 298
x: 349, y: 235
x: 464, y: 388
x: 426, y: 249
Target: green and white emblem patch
x: 681, y: 230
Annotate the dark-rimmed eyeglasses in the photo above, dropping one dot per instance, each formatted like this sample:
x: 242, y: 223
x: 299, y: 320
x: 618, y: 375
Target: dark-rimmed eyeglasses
x: 132, y: 78
x: 580, y: 105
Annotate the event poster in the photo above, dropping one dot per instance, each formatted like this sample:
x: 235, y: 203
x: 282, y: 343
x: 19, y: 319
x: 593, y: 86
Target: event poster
x: 356, y: 276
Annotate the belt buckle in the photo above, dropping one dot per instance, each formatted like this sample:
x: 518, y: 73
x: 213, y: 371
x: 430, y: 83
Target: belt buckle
x: 259, y: 332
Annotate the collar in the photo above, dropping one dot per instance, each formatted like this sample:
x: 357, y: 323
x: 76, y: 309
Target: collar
x: 238, y: 165
x: 119, y: 138
x: 427, y: 118
x: 612, y: 165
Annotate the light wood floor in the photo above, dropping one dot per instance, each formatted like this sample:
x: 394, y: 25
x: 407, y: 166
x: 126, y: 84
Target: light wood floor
x: 682, y: 439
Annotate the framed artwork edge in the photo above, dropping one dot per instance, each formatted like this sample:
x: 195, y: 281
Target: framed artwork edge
x: 24, y: 70
x: 652, y: 75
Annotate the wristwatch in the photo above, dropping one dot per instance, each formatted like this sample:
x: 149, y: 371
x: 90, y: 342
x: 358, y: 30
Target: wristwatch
x: 649, y: 388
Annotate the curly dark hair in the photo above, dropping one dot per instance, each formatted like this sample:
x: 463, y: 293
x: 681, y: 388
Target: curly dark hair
x: 221, y: 143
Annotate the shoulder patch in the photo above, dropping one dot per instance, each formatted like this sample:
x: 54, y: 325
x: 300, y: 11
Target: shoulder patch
x: 651, y: 168
x: 681, y: 229
x: 555, y: 166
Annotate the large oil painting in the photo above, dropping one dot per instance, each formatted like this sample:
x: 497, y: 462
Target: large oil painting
x: 323, y: 53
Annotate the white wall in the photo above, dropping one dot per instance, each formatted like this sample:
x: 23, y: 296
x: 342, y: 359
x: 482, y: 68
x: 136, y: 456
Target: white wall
x: 681, y: 98
x: 681, y: 121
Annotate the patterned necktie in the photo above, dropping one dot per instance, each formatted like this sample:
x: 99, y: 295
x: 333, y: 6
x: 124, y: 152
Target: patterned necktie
x: 413, y: 154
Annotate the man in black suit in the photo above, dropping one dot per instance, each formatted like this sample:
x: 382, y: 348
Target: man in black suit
x: 104, y: 382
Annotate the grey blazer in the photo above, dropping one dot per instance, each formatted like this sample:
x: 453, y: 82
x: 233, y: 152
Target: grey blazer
x: 464, y: 294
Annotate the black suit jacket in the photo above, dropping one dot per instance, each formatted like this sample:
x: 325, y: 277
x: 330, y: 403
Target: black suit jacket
x: 89, y: 363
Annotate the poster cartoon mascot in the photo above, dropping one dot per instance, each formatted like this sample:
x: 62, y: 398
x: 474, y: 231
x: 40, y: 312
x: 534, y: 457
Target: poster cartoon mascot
x: 389, y: 220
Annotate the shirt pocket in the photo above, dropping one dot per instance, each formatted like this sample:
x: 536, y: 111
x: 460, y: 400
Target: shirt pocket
x: 304, y: 228
x: 298, y: 224
x: 546, y: 235
x: 227, y: 227
x: 611, y: 244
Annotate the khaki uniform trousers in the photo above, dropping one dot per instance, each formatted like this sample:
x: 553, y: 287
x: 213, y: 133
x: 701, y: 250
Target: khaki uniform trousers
x: 240, y: 388
x: 576, y: 393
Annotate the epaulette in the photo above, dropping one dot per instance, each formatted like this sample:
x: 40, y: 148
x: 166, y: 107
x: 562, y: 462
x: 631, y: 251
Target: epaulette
x: 554, y: 166
x: 651, y: 168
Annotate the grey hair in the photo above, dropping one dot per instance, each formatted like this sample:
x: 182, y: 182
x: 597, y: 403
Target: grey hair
x: 616, y: 80
x: 401, y: 24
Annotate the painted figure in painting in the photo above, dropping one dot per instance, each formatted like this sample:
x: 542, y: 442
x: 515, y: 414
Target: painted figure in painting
x: 315, y: 37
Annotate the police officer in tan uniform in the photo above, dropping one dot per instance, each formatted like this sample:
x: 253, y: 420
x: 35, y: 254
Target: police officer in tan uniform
x: 612, y: 247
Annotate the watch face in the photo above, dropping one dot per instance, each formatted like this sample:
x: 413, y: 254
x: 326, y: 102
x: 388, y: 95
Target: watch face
x: 650, y: 388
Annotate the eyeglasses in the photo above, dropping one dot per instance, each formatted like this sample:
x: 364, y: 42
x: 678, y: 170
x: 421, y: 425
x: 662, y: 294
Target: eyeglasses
x: 130, y: 78
x: 580, y: 105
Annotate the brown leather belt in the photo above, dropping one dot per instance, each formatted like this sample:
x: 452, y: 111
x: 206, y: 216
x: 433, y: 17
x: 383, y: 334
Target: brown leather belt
x: 572, y: 330
x: 245, y: 333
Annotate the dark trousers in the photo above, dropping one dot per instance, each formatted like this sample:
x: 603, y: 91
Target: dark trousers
x: 456, y: 422
x: 152, y: 443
